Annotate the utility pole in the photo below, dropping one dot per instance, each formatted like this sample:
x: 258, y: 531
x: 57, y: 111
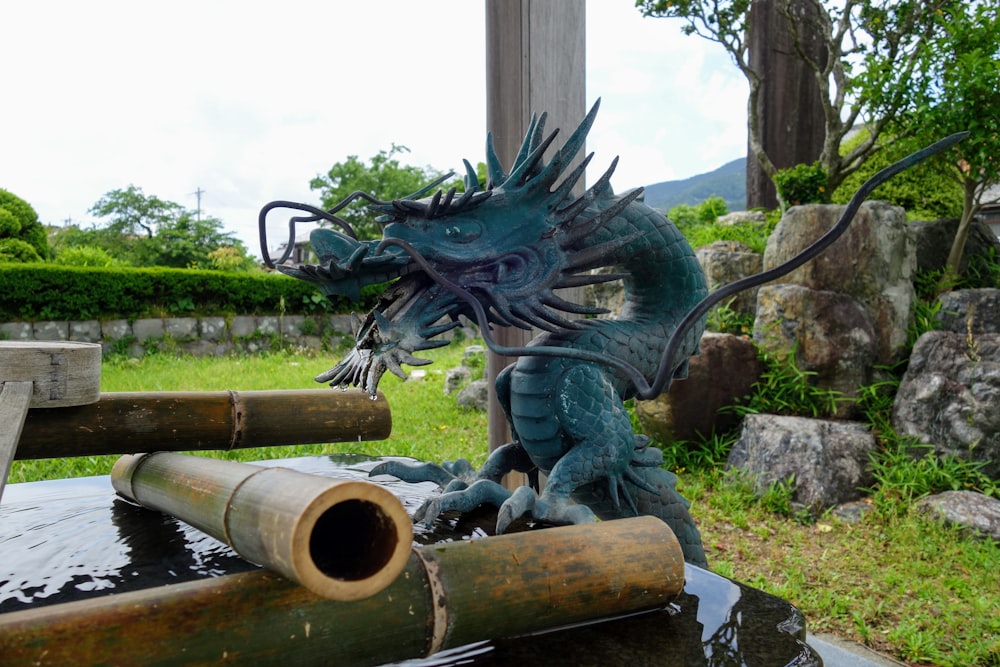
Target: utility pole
x: 198, y: 193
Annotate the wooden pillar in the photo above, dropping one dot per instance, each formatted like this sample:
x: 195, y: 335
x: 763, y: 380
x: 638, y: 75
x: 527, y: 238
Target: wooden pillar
x: 790, y: 110
x: 535, y: 62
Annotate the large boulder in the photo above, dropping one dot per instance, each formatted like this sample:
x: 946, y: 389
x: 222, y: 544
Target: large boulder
x: 969, y: 509
x: 933, y: 239
x: 827, y: 461
x: 726, y: 370
x: 970, y: 311
x: 950, y: 396
x: 873, y: 262
x: 830, y: 333
x: 726, y: 261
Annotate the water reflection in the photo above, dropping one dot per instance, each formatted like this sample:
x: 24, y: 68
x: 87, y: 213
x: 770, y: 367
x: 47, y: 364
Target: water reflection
x: 74, y: 539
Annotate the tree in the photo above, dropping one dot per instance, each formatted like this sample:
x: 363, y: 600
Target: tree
x: 384, y: 178
x: 130, y: 211
x: 22, y: 237
x: 925, y: 192
x: 958, y: 89
x: 187, y: 242
x: 873, y: 48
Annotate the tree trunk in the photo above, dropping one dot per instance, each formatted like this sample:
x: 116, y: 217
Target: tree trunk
x: 789, y: 112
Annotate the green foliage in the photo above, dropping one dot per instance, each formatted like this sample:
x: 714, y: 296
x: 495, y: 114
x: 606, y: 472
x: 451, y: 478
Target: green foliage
x: 48, y: 292
x: 958, y: 90
x: 802, y: 184
x: 130, y: 211
x: 16, y: 250
x: 19, y: 224
x: 148, y: 231
x: 86, y: 255
x: 694, y: 223
x: 723, y: 319
x: 705, y: 213
x: 185, y: 242
x: 785, y: 389
x: 923, y: 191
x: 383, y: 177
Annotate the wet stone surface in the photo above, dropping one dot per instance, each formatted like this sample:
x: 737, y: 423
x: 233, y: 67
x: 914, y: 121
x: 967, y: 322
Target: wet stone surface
x: 75, y: 539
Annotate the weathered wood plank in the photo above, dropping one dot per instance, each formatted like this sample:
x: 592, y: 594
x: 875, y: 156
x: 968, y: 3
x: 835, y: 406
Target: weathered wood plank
x: 15, y: 397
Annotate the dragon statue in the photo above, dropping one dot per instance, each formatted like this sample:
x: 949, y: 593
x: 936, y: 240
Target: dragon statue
x: 496, y: 254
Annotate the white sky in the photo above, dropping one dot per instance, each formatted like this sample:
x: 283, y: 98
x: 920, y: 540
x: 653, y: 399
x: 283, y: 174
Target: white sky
x: 250, y: 100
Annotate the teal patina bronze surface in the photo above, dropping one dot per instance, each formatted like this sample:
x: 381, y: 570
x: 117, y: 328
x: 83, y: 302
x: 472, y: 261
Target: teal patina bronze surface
x: 497, y: 254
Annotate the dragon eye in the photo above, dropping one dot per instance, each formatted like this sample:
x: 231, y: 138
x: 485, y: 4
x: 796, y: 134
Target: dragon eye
x: 463, y: 232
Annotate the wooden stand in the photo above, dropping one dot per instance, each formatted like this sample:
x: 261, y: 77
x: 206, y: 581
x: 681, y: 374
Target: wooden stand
x: 42, y: 374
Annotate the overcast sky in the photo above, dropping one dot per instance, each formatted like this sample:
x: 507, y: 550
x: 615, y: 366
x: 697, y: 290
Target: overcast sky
x: 247, y: 101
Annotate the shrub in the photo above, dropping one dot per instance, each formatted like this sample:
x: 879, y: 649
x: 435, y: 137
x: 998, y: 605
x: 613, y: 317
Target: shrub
x: 45, y: 291
x: 24, y: 226
x: 16, y: 250
x: 925, y: 193
x: 86, y: 255
x: 802, y: 184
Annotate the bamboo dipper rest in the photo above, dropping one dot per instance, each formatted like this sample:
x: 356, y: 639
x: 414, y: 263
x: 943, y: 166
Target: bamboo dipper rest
x: 42, y: 374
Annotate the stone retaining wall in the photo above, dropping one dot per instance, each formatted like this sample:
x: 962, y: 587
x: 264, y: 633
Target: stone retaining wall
x: 199, y: 336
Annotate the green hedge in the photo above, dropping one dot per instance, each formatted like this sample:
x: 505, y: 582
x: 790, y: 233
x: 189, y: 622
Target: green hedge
x: 30, y: 292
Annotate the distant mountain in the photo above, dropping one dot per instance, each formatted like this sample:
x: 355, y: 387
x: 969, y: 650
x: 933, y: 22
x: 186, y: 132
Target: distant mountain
x: 728, y: 181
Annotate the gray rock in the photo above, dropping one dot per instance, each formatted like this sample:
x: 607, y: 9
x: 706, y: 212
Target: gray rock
x: 933, y: 241
x: 456, y: 378
x: 115, y: 329
x: 475, y: 396
x: 213, y: 328
x: 726, y: 369
x: 968, y: 509
x: 726, y: 261
x: 15, y: 331
x: 741, y: 218
x: 243, y: 326
x: 970, y: 311
x: 950, y: 396
x: 51, y: 330
x: 827, y: 459
x: 181, y: 328
x: 146, y: 329
x: 609, y: 296
x: 830, y: 333
x: 874, y: 262
x: 87, y: 331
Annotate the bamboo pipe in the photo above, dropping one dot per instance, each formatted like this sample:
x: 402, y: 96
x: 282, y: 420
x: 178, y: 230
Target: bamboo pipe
x: 128, y: 422
x: 341, y: 539
x: 449, y: 595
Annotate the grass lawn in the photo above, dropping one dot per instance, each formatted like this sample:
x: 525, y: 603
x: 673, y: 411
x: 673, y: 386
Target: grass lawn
x: 906, y: 586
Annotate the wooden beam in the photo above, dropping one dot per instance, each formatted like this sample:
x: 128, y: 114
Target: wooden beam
x: 535, y: 62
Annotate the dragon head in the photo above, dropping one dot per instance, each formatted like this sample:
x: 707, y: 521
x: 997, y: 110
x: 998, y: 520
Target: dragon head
x: 494, y: 253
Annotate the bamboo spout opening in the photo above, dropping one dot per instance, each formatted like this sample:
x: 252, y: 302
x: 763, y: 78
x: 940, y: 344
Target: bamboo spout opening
x: 341, y: 539
x: 353, y: 540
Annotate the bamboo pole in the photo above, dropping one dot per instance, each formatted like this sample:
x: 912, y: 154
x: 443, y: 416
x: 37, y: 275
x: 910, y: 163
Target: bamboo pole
x: 128, y: 422
x: 341, y: 539
x: 448, y: 595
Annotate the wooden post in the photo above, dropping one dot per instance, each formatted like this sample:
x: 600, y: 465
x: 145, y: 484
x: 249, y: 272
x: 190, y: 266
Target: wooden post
x: 790, y: 111
x: 42, y: 374
x: 535, y: 62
